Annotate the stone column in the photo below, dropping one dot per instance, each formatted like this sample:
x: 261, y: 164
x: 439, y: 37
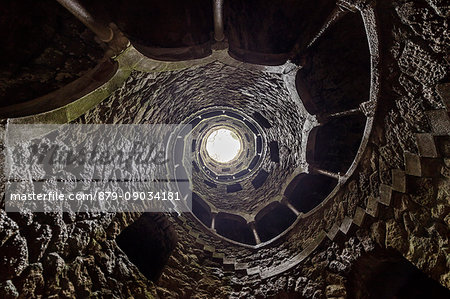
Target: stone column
x: 218, y: 20
x: 103, y: 32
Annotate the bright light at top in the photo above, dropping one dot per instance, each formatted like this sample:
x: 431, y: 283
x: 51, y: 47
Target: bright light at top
x: 223, y: 145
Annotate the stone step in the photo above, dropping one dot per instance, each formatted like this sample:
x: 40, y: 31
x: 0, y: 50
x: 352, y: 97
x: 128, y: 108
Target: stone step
x: 439, y: 122
x: 372, y: 208
x: 241, y: 268
x: 443, y: 90
x: 420, y: 166
x: 228, y: 263
x: 426, y: 145
x: 398, y: 180
x: 443, y: 146
x: 218, y: 257
x: 385, y: 194
x: 346, y: 225
x: 359, y: 218
x: 334, y: 232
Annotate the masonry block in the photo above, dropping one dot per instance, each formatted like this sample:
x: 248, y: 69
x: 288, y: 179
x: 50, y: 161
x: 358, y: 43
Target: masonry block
x: 385, y: 194
x: 398, y: 180
x: 412, y: 164
x: 194, y: 234
x: 253, y: 271
x: 218, y: 256
x: 372, y: 207
x: 443, y: 91
x: 426, y: 145
x: 439, y: 121
x: 422, y: 167
x: 360, y: 216
x: 346, y: 224
x: 332, y: 233
x: 200, y: 241
x: 241, y: 267
x: 209, y: 249
x: 228, y: 264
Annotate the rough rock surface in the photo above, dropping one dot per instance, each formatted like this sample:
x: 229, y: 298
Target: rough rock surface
x: 78, y: 255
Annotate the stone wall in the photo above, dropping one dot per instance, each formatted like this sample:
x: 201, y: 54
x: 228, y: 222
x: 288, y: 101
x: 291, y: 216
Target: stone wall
x: 173, y: 97
x: 399, y: 198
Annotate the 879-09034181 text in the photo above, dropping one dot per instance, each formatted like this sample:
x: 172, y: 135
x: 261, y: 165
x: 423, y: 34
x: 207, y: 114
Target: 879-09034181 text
x: 98, y: 195
x: 136, y: 195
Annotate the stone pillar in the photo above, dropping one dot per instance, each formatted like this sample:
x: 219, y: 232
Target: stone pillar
x: 218, y: 20
x: 103, y: 32
x: 292, y: 208
x: 255, y: 233
x: 116, y: 40
x: 213, y: 221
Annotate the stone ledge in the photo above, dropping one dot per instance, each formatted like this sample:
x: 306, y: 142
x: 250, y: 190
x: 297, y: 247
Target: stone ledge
x: 385, y: 194
x: 372, y: 207
x: 218, y: 256
x: 412, y: 164
x: 346, y: 225
x: 333, y: 232
x: 360, y: 216
x: 398, y: 180
x: 443, y: 91
x: 427, y: 147
x: 439, y: 121
x: 209, y: 248
x: 253, y: 271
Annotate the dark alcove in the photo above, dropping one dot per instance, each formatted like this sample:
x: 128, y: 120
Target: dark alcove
x: 148, y: 243
x: 386, y: 274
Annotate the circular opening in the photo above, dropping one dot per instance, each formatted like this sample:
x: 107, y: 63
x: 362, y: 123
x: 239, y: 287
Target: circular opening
x: 223, y: 145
